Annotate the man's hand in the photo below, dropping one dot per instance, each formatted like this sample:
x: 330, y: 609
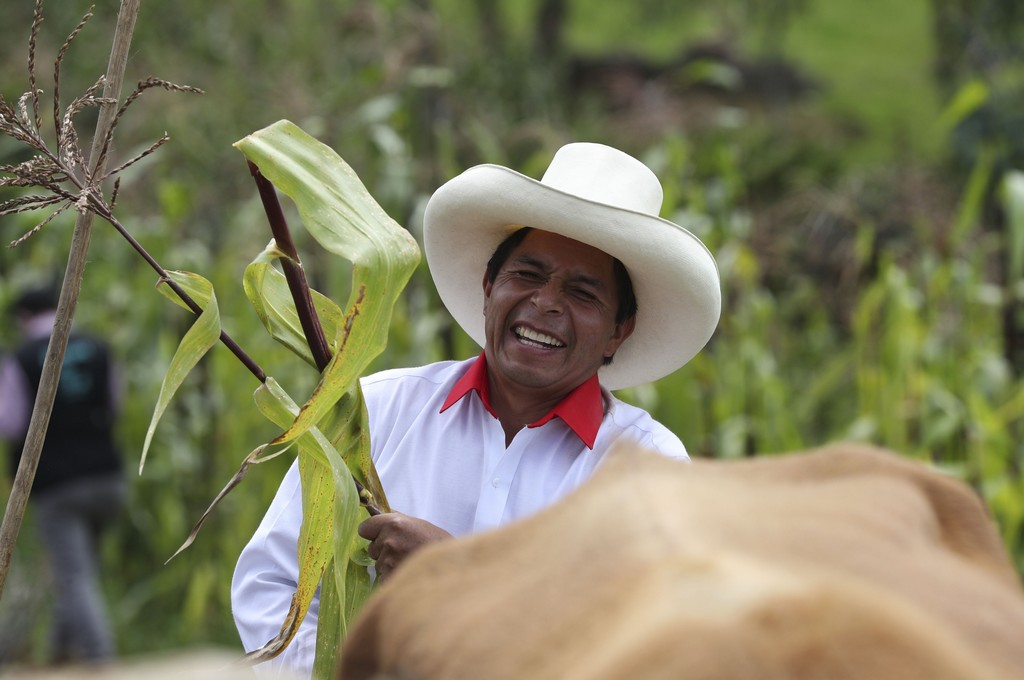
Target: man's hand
x: 394, y: 536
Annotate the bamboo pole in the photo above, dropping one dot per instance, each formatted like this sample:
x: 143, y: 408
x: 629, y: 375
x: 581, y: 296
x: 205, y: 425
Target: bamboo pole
x: 70, y: 289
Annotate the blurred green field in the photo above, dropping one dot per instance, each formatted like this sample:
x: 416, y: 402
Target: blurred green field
x: 876, y: 57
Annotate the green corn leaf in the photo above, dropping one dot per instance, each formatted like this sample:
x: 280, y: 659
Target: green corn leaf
x: 973, y: 199
x: 268, y: 292
x: 967, y: 100
x: 345, y: 423
x: 1013, y: 206
x: 350, y: 585
x: 203, y: 334
x: 331, y: 511
x: 328, y: 629
x: 347, y: 428
x: 340, y: 214
x: 344, y: 219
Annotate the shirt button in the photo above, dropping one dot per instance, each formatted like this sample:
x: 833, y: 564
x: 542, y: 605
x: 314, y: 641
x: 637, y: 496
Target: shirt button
x: 495, y: 482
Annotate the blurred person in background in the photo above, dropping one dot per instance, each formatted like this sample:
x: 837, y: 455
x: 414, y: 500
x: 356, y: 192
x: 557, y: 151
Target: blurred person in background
x: 79, y: 489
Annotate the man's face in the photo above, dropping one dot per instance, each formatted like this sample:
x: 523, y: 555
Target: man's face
x: 550, y: 316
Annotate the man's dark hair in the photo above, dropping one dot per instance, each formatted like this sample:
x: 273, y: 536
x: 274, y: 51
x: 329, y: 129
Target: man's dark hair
x: 35, y: 300
x: 623, y: 284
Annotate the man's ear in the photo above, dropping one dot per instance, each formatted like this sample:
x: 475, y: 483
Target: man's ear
x: 487, y: 283
x: 619, y: 336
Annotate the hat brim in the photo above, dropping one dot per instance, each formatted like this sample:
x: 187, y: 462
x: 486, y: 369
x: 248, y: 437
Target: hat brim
x: 674, y: 276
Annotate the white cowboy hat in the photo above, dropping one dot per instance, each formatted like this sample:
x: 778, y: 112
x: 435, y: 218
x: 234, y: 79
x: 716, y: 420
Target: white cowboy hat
x: 602, y: 197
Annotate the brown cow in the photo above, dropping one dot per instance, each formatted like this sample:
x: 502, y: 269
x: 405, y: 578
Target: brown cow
x: 848, y: 562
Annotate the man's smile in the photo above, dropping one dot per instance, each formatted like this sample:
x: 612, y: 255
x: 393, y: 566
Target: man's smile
x: 528, y: 336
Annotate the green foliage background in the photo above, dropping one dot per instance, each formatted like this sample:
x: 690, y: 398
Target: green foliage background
x: 850, y: 163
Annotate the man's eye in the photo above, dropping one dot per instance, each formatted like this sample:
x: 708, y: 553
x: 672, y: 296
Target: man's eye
x: 527, y: 274
x: 584, y: 294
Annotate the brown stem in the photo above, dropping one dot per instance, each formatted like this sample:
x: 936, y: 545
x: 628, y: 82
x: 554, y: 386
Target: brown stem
x: 246, y: 360
x: 293, y: 271
x: 366, y: 499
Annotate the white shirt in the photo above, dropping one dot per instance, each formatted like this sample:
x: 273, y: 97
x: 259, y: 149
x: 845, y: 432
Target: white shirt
x: 451, y: 469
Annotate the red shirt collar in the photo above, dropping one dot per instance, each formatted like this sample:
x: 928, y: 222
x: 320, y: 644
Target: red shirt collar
x: 582, y: 409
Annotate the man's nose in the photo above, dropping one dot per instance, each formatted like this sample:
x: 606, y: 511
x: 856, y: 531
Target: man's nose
x: 549, y: 297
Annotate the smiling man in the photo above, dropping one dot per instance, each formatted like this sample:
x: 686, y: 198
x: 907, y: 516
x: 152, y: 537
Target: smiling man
x: 552, y: 320
x: 584, y: 289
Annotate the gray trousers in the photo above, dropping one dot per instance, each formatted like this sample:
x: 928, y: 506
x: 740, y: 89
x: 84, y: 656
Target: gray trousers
x: 71, y: 519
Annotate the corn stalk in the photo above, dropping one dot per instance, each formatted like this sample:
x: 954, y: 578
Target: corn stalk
x: 330, y: 429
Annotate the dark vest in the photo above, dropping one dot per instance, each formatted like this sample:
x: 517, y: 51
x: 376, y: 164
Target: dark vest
x: 79, y: 439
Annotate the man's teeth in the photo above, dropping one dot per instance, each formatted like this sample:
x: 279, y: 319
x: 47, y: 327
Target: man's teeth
x: 535, y: 338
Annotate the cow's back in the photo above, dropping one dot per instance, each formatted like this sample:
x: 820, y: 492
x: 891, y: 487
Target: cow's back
x: 844, y: 563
